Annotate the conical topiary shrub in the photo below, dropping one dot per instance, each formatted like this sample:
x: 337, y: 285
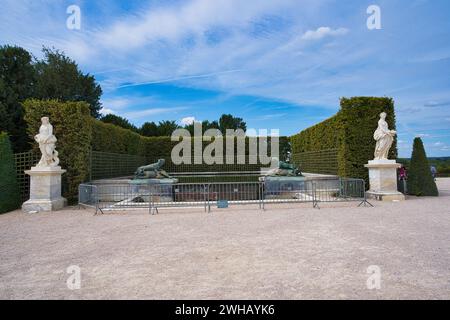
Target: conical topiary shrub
x: 9, y: 188
x: 420, y: 179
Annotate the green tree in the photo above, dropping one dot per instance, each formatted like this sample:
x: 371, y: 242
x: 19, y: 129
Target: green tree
x: 227, y: 121
x: 206, y: 125
x: 58, y: 77
x: 149, y: 129
x: 9, y: 188
x: 420, y: 180
x: 165, y: 128
x: 118, y: 121
x: 17, y: 77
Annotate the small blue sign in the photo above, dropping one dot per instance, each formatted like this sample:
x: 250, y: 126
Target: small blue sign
x: 222, y: 204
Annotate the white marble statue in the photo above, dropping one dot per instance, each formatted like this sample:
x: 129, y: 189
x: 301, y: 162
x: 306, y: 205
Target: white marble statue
x: 47, y: 141
x: 384, y: 138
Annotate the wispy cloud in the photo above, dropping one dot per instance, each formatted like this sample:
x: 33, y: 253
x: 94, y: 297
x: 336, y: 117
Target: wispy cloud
x: 434, y: 104
x: 323, y: 32
x: 207, y: 75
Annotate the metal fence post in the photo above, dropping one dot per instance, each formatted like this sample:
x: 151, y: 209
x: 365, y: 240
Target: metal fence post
x: 209, y: 204
x: 260, y: 195
x: 315, y: 200
x: 205, y: 197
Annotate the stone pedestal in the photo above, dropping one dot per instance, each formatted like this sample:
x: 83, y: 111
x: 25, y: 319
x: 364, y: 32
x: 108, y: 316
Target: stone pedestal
x: 383, y: 180
x: 45, y: 189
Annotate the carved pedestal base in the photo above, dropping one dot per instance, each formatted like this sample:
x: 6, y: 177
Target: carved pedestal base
x: 383, y: 180
x: 45, y: 189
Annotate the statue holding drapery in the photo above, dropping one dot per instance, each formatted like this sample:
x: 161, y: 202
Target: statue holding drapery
x: 47, y: 141
x: 384, y: 138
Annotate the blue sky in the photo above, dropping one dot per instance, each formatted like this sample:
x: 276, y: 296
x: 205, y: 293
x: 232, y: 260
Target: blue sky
x: 278, y: 64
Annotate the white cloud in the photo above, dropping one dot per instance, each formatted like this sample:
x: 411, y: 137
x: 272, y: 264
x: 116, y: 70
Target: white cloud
x: 105, y: 111
x: 187, y: 120
x: 323, y: 32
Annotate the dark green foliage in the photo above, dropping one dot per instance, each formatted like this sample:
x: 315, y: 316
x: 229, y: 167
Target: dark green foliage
x: 322, y: 136
x: 350, y: 131
x: 73, y: 128
x: 166, y: 128
x: 9, y: 188
x: 55, y: 77
x: 206, y: 125
x: 58, y: 77
x: 17, y: 77
x: 420, y: 180
x: 227, y: 121
x: 285, y: 148
x: 107, y: 137
x: 118, y: 121
x: 149, y: 129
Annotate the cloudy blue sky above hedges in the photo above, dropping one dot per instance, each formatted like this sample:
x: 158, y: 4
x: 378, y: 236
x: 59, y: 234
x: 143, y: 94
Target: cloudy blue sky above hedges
x: 278, y: 64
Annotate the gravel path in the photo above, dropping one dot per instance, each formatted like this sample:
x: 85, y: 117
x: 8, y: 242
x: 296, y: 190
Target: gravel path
x: 286, y: 252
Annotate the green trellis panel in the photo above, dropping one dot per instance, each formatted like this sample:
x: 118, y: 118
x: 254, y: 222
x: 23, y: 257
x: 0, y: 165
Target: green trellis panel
x: 322, y: 162
x: 106, y: 165
x: 24, y: 161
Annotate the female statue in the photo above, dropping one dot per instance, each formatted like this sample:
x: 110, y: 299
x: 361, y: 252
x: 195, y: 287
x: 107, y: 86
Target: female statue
x: 384, y: 138
x: 47, y: 141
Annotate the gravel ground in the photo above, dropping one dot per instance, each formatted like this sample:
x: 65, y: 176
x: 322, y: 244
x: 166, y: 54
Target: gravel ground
x: 286, y: 252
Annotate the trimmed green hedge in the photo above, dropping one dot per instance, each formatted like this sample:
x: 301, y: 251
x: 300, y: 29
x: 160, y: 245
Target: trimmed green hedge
x: 73, y: 128
x: 322, y: 136
x: 350, y: 131
x: 9, y: 188
x: 107, y: 137
x: 110, y: 138
x: 420, y: 180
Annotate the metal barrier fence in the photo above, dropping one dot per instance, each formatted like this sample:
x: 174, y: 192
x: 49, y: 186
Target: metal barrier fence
x: 340, y: 190
x: 88, y: 196
x: 109, y: 197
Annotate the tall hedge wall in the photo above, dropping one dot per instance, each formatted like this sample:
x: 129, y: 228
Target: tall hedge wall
x: 350, y: 131
x: 9, y: 188
x: 110, y: 138
x: 322, y: 136
x: 72, y: 127
x: 114, y: 139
